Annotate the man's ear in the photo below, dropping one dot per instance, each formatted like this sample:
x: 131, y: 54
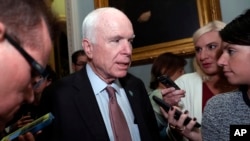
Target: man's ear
x: 88, y: 48
x: 2, y: 31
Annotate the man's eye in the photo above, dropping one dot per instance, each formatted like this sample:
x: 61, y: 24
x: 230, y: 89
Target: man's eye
x: 116, y: 40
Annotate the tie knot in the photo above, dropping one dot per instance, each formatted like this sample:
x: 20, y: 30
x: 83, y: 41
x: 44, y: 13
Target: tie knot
x: 111, y: 91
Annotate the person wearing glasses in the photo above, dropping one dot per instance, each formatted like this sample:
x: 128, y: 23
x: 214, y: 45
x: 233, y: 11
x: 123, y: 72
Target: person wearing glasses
x: 29, y: 112
x: 25, y: 45
x: 79, y: 59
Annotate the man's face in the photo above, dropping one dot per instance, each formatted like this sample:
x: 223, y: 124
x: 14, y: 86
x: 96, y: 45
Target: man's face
x: 81, y: 61
x: 111, y: 53
x: 16, y: 81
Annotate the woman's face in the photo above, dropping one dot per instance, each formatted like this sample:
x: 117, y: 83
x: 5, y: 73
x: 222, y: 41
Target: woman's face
x: 208, y: 48
x: 235, y: 63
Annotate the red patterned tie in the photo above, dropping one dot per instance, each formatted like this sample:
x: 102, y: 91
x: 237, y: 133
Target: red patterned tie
x: 117, y: 119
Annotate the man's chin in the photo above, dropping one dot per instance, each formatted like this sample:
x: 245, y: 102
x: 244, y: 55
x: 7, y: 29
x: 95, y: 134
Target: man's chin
x: 122, y: 74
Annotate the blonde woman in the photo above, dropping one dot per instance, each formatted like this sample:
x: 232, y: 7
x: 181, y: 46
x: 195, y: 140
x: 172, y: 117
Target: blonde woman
x: 208, y: 79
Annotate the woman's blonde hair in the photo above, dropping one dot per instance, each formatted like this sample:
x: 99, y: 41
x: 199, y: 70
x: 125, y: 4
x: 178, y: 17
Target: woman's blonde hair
x: 211, y: 26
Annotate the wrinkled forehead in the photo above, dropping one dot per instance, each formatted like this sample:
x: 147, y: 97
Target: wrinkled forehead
x: 114, y: 24
x: 114, y: 15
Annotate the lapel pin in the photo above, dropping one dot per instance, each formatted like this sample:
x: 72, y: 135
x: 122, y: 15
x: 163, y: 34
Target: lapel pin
x: 130, y: 93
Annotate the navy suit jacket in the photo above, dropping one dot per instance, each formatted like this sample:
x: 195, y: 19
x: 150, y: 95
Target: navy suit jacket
x: 78, y: 117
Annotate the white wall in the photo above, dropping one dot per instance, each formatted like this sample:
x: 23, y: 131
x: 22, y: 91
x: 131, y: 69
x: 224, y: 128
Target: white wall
x: 76, y: 10
x: 232, y: 8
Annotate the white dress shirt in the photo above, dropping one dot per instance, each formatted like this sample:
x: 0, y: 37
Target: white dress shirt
x: 98, y: 86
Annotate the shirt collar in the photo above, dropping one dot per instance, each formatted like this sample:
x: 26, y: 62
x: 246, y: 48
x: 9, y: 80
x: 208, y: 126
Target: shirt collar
x: 98, y: 85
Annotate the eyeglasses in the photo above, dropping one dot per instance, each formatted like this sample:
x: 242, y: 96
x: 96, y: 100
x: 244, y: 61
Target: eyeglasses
x: 38, y: 71
x: 39, y: 80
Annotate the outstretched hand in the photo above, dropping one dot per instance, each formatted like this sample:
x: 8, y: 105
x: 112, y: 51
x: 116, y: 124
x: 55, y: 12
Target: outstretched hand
x: 172, y: 96
x: 189, y: 131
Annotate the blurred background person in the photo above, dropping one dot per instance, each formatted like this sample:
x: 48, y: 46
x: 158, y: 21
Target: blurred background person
x: 173, y: 66
x: 79, y: 59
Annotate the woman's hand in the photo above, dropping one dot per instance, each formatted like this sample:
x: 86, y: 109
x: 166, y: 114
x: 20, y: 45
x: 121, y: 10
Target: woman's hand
x: 26, y: 137
x: 189, y: 131
x: 24, y: 120
x: 172, y: 96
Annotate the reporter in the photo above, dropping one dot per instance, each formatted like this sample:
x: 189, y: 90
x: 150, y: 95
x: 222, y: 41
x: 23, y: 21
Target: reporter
x: 173, y: 66
x: 25, y: 44
x: 30, y: 112
x: 79, y: 59
x: 207, y: 81
x: 232, y: 108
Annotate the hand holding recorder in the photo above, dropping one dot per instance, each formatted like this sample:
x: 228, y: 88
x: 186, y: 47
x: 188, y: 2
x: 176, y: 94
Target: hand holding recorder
x: 164, y: 79
x: 167, y: 82
x: 32, y: 127
x: 170, y: 95
x: 189, y: 131
x: 177, y: 114
x: 181, y: 122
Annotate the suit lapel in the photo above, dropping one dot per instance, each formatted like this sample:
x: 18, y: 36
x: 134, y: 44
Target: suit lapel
x: 87, y: 106
x: 133, y: 95
x: 85, y: 102
x: 136, y: 91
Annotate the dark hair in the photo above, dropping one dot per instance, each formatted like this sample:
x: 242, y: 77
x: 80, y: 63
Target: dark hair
x: 165, y: 64
x: 52, y: 74
x: 22, y: 18
x: 238, y: 30
x: 76, y: 54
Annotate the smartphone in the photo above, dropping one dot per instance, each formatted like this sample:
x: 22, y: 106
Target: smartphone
x: 165, y: 80
x: 177, y: 114
x: 32, y: 127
